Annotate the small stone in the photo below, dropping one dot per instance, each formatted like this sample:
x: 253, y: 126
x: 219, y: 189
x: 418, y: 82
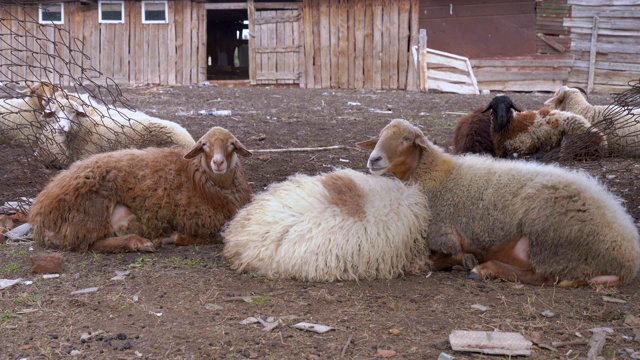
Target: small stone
x: 122, y: 336
x: 445, y: 356
x: 394, y: 331
x: 547, y: 313
x: 441, y: 344
x: 53, y: 336
x: 75, y: 352
x: 127, y: 345
x: 385, y: 353
x: 46, y: 263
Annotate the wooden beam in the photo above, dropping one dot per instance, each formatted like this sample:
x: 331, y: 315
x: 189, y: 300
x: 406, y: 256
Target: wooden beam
x: 422, y: 59
x: 592, y: 54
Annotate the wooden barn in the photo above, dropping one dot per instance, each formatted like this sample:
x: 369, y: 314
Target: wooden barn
x: 521, y: 45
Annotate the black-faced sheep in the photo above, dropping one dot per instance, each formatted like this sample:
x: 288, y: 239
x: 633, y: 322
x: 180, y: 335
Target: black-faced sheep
x: 620, y: 125
x: 20, y: 118
x: 79, y: 129
x: 535, y: 223
x: 124, y: 200
x: 342, y: 225
x: 520, y: 134
x: 472, y: 134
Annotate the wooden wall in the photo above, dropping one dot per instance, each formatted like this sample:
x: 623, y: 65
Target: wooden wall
x: 82, y: 49
x: 605, y: 40
x: 360, y: 44
x: 552, y: 37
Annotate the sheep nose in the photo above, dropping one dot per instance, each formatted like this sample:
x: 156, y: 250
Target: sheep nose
x: 374, y: 159
x: 218, y: 163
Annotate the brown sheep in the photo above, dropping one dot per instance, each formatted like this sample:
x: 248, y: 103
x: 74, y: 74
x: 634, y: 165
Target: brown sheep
x: 129, y: 200
x: 472, y: 134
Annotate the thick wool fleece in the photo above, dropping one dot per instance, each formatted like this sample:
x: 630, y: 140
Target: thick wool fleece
x: 343, y: 225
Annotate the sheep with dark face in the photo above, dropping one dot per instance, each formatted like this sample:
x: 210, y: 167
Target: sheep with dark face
x: 535, y: 223
x: 524, y: 133
x: 126, y: 200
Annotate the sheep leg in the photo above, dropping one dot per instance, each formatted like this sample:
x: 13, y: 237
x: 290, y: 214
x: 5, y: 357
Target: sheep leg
x: 179, y: 239
x: 494, y: 269
x: 125, y: 243
x: 443, y: 261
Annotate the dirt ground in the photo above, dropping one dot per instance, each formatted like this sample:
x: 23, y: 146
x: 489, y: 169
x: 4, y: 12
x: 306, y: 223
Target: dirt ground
x: 185, y: 303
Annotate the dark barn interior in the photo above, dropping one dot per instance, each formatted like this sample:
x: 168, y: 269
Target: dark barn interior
x: 227, y: 45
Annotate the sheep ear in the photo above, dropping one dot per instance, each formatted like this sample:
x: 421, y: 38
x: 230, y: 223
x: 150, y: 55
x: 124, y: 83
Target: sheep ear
x: 487, y: 108
x: 421, y: 141
x: 241, y: 150
x: 195, y: 150
x: 368, y: 144
x: 515, y: 107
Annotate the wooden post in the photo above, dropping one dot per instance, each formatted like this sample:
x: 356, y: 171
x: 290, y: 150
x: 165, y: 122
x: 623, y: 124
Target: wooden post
x: 592, y: 53
x: 252, y: 42
x: 422, y: 59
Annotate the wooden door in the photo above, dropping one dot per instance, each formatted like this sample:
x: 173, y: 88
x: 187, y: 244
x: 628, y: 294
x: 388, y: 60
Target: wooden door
x: 277, y: 46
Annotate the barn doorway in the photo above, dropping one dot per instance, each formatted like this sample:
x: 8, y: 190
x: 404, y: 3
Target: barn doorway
x: 227, y: 45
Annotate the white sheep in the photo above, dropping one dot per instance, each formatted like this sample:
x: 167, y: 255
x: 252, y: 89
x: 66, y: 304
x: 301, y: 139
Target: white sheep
x: 535, y: 223
x: 129, y: 200
x: 80, y: 128
x: 526, y: 133
x: 621, y: 125
x: 20, y: 118
x: 342, y: 225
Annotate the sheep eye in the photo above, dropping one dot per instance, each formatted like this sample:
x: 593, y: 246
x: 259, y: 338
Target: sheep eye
x: 48, y: 115
x: 407, y: 139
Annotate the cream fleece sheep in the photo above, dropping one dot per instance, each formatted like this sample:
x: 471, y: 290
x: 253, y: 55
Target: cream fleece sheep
x: 536, y: 223
x: 620, y: 125
x: 20, y: 118
x: 538, y: 132
x: 343, y: 225
x: 80, y: 129
x: 122, y: 200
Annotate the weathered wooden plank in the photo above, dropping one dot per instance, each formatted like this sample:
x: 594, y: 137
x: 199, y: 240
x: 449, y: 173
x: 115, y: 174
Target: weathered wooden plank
x: 450, y: 87
x: 422, y: 60
x: 605, y: 39
x: 520, y: 85
x: 299, y: 64
x: 179, y: 42
x: 443, y: 60
x: 136, y: 44
x: 603, y: 2
x: 359, y: 35
x: 334, y: 41
x: 107, y: 34
x: 193, y: 58
x: 377, y: 46
x: 618, y: 24
x: 368, y: 45
x: 385, y: 43
x: 252, y: 42
x: 317, y: 46
x: 600, y: 88
x: 351, y: 45
x: 288, y: 39
x: 343, y: 45
x: 279, y: 42
x: 606, y: 47
x: 261, y: 6
x: 614, y: 77
x: 551, y: 62
x: 579, y: 11
x: 592, y: 53
x: 605, y: 65
x: 412, y: 73
x: 393, y: 42
x: 201, y: 55
x: 403, y: 42
x: 433, y: 74
x: 278, y: 18
x: 513, y: 74
x: 274, y: 76
x: 576, y: 31
x: 325, y: 44
x: 307, y: 80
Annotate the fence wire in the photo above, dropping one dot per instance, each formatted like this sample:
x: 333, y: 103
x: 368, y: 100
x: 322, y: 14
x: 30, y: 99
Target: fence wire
x: 35, y: 142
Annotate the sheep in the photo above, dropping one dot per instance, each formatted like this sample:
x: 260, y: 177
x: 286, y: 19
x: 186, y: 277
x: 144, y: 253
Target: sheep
x: 529, y: 222
x: 520, y: 134
x: 20, y: 121
x: 472, y: 134
x: 621, y: 125
x: 135, y: 199
x: 342, y: 225
x: 80, y: 129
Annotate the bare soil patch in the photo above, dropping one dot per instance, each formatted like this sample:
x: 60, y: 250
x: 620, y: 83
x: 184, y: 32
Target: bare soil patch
x: 185, y: 303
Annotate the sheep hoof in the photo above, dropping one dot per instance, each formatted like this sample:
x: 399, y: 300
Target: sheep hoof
x: 474, y: 275
x: 138, y: 243
x: 470, y: 261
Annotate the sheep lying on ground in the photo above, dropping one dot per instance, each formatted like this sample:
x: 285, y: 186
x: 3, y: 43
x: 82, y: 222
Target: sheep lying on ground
x: 527, y: 133
x: 20, y: 118
x: 343, y: 225
x: 620, y: 125
x: 123, y: 200
x: 534, y: 223
x: 80, y: 129
x: 472, y: 134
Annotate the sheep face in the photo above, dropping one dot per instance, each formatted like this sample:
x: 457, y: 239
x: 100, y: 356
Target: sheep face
x: 396, y: 151
x: 43, y: 90
x: 502, y: 111
x: 64, y: 113
x: 219, y: 149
